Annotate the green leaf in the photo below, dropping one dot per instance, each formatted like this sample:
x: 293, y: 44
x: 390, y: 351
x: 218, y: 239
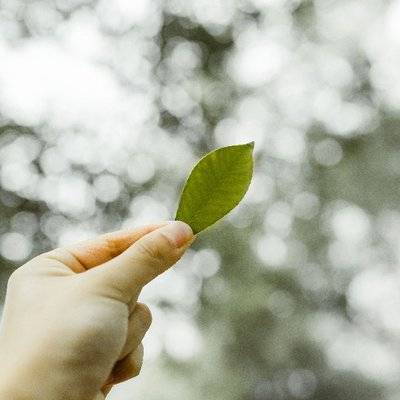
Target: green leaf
x: 216, y: 185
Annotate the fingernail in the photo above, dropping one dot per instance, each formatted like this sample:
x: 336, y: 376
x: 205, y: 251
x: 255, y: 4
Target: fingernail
x: 178, y: 233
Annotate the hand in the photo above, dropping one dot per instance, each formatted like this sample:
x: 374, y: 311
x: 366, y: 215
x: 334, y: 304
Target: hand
x: 72, y: 326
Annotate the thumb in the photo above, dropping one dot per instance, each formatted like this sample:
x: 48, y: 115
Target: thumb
x: 145, y: 259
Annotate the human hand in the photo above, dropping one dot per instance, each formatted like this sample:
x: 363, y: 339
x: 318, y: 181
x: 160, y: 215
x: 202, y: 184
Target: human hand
x: 71, y: 325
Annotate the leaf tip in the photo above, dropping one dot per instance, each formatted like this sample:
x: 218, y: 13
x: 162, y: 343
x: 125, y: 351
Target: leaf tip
x: 251, y: 144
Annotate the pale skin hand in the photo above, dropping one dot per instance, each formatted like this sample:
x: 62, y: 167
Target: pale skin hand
x: 72, y: 326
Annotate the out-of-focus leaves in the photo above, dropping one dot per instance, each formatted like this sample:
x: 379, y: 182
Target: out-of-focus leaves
x: 299, y: 295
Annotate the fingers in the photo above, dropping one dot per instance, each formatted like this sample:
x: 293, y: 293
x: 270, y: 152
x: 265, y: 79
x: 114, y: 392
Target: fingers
x: 129, y: 366
x: 106, y: 389
x: 125, y: 369
x: 138, y: 325
x: 148, y: 257
x: 131, y: 357
x: 91, y: 253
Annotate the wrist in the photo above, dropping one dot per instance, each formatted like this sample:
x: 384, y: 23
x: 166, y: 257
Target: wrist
x: 39, y: 382
x: 30, y: 388
x: 7, y: 392
x: 23, y: 382
x: 15, y: 387
x: 27, y: 374
x: 9, y: 389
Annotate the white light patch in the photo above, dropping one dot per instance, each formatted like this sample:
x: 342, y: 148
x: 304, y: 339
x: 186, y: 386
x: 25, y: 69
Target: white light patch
x: 107, y: 188
x: 182, y: 340
x: 140, y: 168
x: 41, y: 82
x: 206, y: 262
x: 350, y: 224
x: 15, y: 246
x: 272, y: 250
x: 375, y: 294
x: 257, y: 62
x: 120, y: 15
x: 145, y: 209
x: 288, y: 144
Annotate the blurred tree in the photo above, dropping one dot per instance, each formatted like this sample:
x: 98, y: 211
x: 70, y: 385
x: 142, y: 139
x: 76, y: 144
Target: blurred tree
x: 271, y: 316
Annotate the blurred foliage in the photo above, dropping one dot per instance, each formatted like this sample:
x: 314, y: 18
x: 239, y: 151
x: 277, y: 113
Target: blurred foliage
x: 306, y: 264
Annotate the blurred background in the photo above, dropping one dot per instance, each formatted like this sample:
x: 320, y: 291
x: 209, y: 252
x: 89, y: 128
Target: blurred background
x: 106, y: 105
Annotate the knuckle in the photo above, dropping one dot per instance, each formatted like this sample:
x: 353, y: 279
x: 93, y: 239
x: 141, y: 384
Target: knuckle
x: 144, y: 250
x: 17, y: 278
x: 133, y: 369
x: 153, y: 251
x: 135, y: 372
x: 144, y: 313
x: 135, y: 365
x: 111, y: 246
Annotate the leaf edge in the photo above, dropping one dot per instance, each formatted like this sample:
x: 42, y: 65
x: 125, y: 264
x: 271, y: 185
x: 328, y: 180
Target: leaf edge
x: 249, y: 144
